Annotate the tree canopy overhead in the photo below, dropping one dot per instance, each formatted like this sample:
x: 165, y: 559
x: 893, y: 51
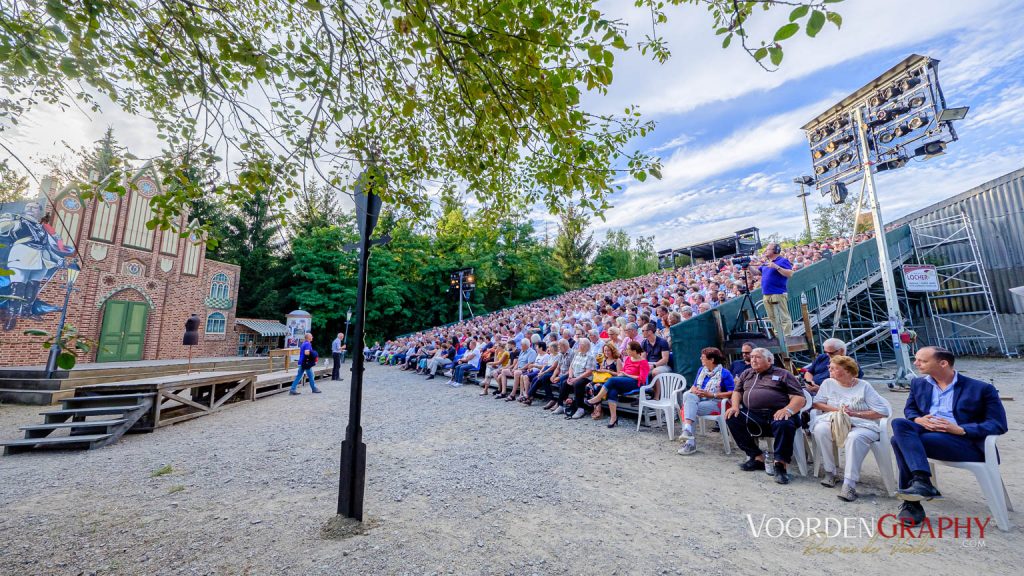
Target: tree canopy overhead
x: 482, y: 93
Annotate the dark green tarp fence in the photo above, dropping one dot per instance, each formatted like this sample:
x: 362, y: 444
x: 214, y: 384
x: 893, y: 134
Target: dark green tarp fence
x: 821, y: 282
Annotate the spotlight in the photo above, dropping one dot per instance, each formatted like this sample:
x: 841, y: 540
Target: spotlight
x: 909, y: 83
x: 950, y: 114
x: 845, y: 157
x: 917, y: 122
x: 890, y: 164
x: 838, y: 192
x: 805, y: 180
x: 887, y: 137
x: 900, y: 130
x: 875, y: 101
x: 840, y: 141
x: 890, y: 92
x: 916, y: 101
x: 931, y: 149
x: 819, y: 170
x: 816, y: 136
x: 840, y: 123
x: 818, y: 154
x: 833, y: 164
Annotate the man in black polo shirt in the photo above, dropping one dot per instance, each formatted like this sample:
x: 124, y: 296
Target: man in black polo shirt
x: 765, y: 402
x: 656, y: 348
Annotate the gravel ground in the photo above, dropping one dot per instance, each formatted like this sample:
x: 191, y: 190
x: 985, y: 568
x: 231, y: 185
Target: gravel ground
x: 456, y: 484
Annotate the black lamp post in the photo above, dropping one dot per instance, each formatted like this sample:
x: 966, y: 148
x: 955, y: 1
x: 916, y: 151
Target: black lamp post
x: 55, y: 350
x: 348, y: 320
x: 352, y: 482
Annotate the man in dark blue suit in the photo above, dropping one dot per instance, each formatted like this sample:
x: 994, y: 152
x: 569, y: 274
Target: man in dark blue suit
x: 948, y: 416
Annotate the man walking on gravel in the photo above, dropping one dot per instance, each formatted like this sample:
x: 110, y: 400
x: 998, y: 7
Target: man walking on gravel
x: 307, y: 360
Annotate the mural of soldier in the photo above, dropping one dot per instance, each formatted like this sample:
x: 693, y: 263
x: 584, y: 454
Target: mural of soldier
x: 32, y: 252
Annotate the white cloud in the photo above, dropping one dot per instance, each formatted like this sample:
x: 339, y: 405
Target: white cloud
x: 1006, y: 109
x: 701, y: 72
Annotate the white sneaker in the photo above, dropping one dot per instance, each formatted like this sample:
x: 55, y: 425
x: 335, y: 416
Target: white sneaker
x: 455, y: 384
x: 580, y: 412
x: 689, y: 448
x: 559, y: 410
x: 687, y: 432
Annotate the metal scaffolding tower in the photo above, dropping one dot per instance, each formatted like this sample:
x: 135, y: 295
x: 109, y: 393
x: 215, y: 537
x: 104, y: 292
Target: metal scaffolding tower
x: 962, y: 311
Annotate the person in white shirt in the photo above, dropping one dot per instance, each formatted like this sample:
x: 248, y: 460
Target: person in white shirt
x: 844, y: 393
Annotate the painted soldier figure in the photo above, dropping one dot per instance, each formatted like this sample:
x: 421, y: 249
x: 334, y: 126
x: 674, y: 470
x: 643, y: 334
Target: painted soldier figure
x: 33, y: 254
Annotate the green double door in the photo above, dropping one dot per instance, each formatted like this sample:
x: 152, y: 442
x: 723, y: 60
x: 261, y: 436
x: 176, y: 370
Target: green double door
x: 123, y: 333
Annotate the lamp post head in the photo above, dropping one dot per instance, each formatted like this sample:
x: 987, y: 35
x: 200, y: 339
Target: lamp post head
x: 72, y: 271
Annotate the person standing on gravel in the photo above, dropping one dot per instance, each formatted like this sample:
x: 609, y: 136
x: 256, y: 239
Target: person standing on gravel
x: 337, y: 353
x: 307, y: 360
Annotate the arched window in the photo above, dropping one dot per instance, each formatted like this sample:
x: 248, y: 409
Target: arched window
x: 219, y: 287
x: 216, y: 323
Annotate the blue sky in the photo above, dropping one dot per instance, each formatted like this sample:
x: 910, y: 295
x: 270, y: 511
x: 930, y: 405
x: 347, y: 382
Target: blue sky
x: 729, y: 132
x: 729, y: 135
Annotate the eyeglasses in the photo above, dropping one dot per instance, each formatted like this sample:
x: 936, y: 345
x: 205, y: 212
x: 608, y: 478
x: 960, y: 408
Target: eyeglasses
x: 831, y: 352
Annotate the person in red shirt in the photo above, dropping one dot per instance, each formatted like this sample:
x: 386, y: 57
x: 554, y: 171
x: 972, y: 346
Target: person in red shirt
x: 633, y: 375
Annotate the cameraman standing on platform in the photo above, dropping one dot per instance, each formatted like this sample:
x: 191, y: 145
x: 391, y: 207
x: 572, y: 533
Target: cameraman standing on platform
x: 775, y: 273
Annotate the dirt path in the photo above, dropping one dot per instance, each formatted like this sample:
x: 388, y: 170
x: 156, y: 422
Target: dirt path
x: 459, y: 484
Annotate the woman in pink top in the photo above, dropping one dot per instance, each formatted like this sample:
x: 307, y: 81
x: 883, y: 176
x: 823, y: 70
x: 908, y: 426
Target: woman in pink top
x: 633, y: 375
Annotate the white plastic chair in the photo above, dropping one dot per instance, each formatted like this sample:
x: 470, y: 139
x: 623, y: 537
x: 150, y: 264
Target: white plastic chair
x: 991, y: 481
x: 719, y: 419
x: 800, y: 447
x: 669, y: 385
x: 881, y: 450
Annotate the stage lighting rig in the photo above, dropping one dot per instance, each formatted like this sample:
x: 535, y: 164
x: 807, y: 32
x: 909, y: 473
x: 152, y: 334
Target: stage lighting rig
x: 898, y: 115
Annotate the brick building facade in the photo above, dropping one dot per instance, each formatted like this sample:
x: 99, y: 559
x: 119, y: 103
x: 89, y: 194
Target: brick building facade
x: 136, y: 288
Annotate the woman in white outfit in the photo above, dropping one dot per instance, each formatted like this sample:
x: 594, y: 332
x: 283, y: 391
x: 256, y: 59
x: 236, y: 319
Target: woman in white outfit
x: 844, y: 392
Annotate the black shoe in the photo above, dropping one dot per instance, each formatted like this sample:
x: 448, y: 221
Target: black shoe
x: 431, y: 377
x: 751, y: 465
x: 317, y: 391
x: 613, y: 424
x: 293, y: 393
x: 911, y: 514
x: 918, y: 490
x: 781, y: 476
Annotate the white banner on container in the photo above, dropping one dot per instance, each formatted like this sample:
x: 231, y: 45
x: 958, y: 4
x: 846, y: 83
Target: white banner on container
x: 920, y: 278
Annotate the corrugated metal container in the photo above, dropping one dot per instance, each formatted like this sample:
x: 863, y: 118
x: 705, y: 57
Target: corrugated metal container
x: 996, y: 212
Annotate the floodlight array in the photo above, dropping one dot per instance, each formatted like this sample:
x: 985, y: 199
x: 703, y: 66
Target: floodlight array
x: 903, y: 114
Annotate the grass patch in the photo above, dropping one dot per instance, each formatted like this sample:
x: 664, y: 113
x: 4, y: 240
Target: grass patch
x: 176, y: 488
x: 162, y: 471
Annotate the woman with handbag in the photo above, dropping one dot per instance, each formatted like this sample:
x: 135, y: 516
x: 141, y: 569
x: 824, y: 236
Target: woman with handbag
x: 609, y: 363
x: 713, y: 384
x: 632, y: 376
x: 850, y: 411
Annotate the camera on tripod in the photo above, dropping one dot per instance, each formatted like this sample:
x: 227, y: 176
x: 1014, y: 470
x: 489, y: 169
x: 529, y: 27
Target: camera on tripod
x: 742, y: 261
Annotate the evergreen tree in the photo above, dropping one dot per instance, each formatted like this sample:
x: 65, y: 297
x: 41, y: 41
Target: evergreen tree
x: 316, y: 206
x: 573, y: 247
x: 13, y: 186
x: 255, y: 245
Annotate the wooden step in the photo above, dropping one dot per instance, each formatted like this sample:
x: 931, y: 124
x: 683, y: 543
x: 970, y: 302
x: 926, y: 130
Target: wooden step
x: 84, y: 412
x: 79, y: 428
x: 80, y: 424
x: 33, y: 397
x: 26, y: 444
x: 101, y: 398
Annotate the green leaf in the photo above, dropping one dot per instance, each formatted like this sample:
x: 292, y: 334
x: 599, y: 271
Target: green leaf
x: 313, y: 5
x: 35, y: 332
x: 798, y: 13
x: 66, y: 360
x: 728, y: 39
x: 654, y: 171
x: 760, y: 54
x: 836, y: 19
x: 786, y: 31
x: 776, y: 54
x: 814, y: 24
